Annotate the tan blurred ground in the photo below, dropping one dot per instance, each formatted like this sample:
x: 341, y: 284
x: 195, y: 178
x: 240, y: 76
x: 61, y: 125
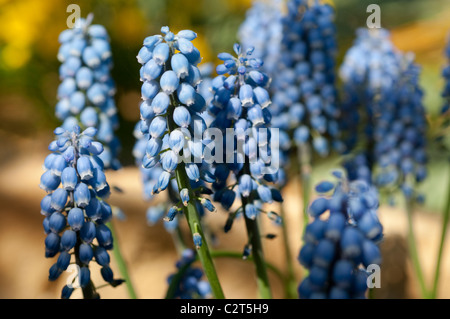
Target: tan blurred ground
x: 150, y: 252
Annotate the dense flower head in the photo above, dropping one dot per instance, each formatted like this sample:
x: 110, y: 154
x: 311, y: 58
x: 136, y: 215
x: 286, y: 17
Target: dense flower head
x: 262, y: 30
x: 303, y: 90
x: 190, y: 285
x: 400, y: 135
x: 382, y: 92
x: 342, y: 240
x: 171, y: 121
x: 171, y: 104
x: 370, y: 69
x: 75, y: 209
x: 86, y: 93
x: 241, y: 106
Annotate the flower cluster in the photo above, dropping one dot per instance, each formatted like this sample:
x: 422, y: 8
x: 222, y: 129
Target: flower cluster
x: 400, y: 135
x: 170, y: 117
x: 382, y: 91
x: 86, y: 93
x: 191, y: 285
x: 303, y: 91
x: 241, y: 104
x: 262, y: 30
x: 369, y: 70
x: 342, y: 237
x: 74, y: 209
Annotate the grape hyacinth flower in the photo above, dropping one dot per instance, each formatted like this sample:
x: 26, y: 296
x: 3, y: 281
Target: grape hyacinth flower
x: 303, y: 86
x: 75, y: 209
x: 187, y: 282
x: 170, y: 117
x: 400, y: 135
x: 370, y: 68
x: 342, y: 241
x: 86, y: 93
x: 262, y: 30
x: 240, y: 104
x: 382, y: 91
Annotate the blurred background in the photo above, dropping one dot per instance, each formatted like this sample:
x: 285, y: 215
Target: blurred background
x: 29, y: 79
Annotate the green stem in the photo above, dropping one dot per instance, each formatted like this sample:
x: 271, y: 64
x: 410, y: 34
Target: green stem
x: 306, y: 184
x: 191, y: 213
x: 290, y: 284
x: 413, y: 249
x: 304, y: 161
x: 254, y: 238
x: 195, y: 226
x: 258, y: 256
x: 441, y: 244
x: 121, y: 262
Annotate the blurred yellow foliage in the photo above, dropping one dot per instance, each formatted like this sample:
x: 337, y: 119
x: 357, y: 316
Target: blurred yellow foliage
x: 21, y: 24
x: 128, y: 25
x: 424, y: 36
x: 237, y: 4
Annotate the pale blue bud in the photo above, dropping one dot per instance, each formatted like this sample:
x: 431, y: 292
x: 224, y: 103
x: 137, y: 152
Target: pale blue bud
x: 149, y: 89
x: 246, y: 95
x: 160, y: 103
x: 158, y: 127
x: 161, y: 53
x: 186, y: 94
x: 152, y: 70
x: 181, y: 116
x: 82, y: 195
x: 187, y: 34
x: 84, y: 168
x: 169, y: 82
x: 180, y: 65
x: 69, y: 178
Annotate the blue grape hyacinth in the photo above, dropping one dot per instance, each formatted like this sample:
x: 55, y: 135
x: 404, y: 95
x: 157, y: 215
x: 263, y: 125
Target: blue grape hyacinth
x: 303, y: 81
x: 400, y: 135
x: 262, y: 30
x: 86, y: 93
x: 170, y: 148
x: 342, y: 241
x: 190, y: 285
x: 241, y: 104
x: 75, y: 209
x: 383, y: 101
x: 370, y: 69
